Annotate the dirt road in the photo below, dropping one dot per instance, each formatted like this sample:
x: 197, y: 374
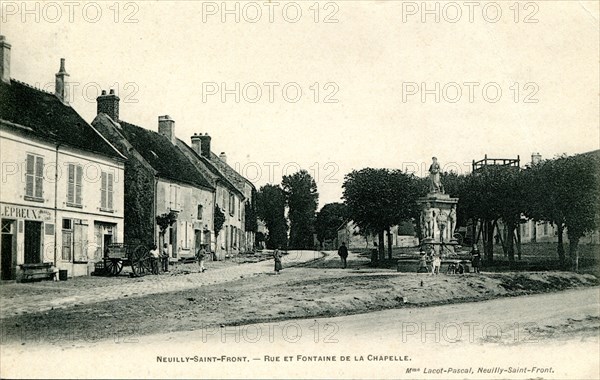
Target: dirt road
x: 540, y: 336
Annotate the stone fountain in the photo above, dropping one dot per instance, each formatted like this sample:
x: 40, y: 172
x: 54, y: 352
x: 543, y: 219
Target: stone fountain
x: 438, y: 214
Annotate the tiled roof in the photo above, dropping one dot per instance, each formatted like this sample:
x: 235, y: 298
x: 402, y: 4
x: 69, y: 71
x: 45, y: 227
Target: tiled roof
x: 44, y: 116
x: 168, y: 161
x: 234, y: 177
x: 206, y: 167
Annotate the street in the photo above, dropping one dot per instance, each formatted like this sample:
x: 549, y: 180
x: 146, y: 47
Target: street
x: 511, y: 333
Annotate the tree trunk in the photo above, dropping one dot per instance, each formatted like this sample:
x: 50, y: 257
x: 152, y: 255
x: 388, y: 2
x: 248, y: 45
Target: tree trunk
x: 518, y: 228
x: 489, y: 241
x: 389, y: 242
x: 381, y: 246
x: 502, y: 239
x: 476, y: 239
x: 510, y: 231
x: 574, y: 252
x: 560, y: 247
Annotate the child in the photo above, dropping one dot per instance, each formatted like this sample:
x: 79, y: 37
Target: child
x: 200, y: 256
x: 437, y: 263
x: 423, y: 263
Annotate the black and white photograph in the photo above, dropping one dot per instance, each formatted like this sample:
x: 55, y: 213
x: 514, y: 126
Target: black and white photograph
x: 307, y: 189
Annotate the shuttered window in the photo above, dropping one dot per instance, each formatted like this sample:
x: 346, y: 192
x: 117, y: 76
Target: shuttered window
x: 34, y: 176
x: 74, y: 184
x: 106, y: 190
x: 174, y: 203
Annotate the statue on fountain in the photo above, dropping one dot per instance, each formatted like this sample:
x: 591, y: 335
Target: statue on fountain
x: 438, y: 217
x: 435, y: 183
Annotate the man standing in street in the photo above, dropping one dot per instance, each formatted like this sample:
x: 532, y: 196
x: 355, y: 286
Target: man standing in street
x: 201, y: 255
x: 154, y: 256
x: 343, y: 252
x: 165, y: 257
x: 475, y: 258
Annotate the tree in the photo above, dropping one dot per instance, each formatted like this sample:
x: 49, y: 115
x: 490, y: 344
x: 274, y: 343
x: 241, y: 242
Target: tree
x: 491, y: 194
x: 165, y: 221
x: 378, y: 199
x: 329, y: 219
x: 270, y: 207
x: 218, y: 221
x: 302, y: 198
x: 543, y: 183
x: 579, y: 199
x: 250, y: 221
x: 565, y: 191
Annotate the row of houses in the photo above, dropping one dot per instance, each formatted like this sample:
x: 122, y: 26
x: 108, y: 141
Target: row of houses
x: 70, y: 188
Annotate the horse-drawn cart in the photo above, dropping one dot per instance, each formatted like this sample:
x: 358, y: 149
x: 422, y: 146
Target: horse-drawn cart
x: 118, y: 255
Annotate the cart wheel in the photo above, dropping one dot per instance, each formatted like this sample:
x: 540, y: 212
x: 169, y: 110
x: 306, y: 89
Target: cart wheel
x: 117, y: 267
x: 108, y: 267
x: 138, y: 261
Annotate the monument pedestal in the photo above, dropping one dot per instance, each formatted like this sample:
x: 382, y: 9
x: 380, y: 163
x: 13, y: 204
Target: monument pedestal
x: 438, y: 221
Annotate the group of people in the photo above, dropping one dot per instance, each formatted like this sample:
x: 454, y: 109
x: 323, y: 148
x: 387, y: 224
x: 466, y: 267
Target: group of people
x: 160, y: 258
x: 425, y: 259
x: 436, y: 262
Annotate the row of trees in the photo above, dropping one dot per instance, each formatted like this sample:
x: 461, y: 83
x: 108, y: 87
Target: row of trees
x: 296, y: 200
x: 564, y: 191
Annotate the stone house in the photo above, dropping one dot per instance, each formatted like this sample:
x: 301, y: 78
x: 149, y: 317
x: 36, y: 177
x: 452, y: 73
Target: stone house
x: 62, y: 181
x: 232, y: 192
x: 159, y: 179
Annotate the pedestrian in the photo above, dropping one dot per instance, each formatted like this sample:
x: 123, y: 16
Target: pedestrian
x: 437, y: 263
x: 201, y: 255
x: 154, y: 255
x: 343, y: 253
x: 475, y: 259
x: 165, y: 258
x: 277, y: 258
x: 423, y: 263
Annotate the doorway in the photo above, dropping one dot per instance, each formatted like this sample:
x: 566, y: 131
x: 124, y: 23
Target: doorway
x: 197, y: 239
x: 207, y: 241
x: 7, y: 250
x: 33, y: 242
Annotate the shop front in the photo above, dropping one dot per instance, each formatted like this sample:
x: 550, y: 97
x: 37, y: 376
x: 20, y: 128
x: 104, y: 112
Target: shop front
x: 27, y: 237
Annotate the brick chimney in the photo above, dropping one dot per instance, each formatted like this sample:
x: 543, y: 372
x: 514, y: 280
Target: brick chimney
x: 536, y: 158
x: 5, y: 59
x: 201, y: 144
x: 166, y: 127
x: 223, y: 157
x: 109, y: 105
x: 61, y: 90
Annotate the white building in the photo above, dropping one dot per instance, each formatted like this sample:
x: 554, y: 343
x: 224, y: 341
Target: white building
x: 61, y: 199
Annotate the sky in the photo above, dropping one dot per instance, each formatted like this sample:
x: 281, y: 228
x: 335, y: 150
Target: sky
x: 330, y: 86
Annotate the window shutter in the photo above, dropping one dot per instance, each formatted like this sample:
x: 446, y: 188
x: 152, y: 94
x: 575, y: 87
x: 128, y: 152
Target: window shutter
x: 29, y: 175
x: 78, y: 183
x: 109, y: 191
x: 103, y: 194
x: 39, y: 176
x: 70, y: 183
x: 177, y: 197
x: 80, y: 240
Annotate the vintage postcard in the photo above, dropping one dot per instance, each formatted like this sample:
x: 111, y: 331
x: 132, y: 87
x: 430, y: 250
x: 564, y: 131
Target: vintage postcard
x: 300, y: 189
